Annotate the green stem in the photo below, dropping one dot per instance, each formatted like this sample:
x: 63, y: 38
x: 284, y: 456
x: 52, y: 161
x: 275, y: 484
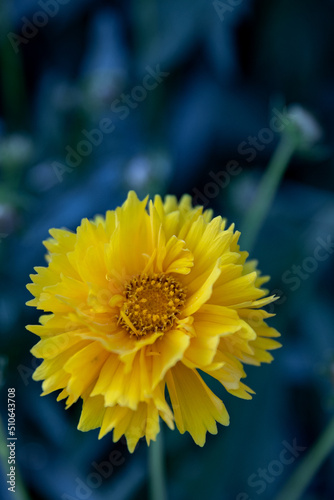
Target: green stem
x: 307, y: 469
x: 157, y: 484
x: 267, y: 190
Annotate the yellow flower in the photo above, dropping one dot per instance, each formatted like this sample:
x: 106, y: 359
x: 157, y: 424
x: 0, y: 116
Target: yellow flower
x: 140, y: 301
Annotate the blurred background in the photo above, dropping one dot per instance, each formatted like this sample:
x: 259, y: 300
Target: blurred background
x: 99, y: 97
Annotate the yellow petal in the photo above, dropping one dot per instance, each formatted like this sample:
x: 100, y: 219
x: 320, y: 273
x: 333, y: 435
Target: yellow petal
x: 50, y: 366
x: 84, y: 368
x: 230, y: 373
x: 63, y: 296
x: 51, y: 325
x: 203, y: 294
x: 210, y: 324
x: 134, y: 424
x: 54, y: 382
x: 92, y: 413
x: 119, y: 386
x: 52, y: 346
x: 178, y: 258
x: 196, y: 408
x: 237, y: 291
x: 216, y: 320
x: 62, y: 241
x: 169, y: 349
x: 242, y: 392
x: 208, y: 248
x: 90, y: 347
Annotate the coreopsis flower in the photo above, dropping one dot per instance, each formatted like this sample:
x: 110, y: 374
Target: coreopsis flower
x: 138, y: 305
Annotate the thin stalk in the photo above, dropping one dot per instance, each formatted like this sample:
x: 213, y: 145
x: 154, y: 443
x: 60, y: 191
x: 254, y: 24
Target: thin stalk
x: 303, y: 475
x: 157, y: 484
x: 267, y: 190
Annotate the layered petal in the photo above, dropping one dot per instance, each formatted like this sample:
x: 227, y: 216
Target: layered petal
x: 138, y: 304
x: 196, y: 408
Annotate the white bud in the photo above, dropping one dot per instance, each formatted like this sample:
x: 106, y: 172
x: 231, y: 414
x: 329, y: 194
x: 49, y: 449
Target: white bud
x: 16, y: 150
x: 306, y: 124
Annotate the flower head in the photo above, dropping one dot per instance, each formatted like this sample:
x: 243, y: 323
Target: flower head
x: 136, y: 303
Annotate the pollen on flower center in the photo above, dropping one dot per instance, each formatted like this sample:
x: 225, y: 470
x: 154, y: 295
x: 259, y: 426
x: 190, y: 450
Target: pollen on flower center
x: 152, y: 304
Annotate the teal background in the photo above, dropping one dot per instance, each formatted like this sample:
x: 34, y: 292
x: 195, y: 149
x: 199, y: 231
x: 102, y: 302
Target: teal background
x: 229, y: 69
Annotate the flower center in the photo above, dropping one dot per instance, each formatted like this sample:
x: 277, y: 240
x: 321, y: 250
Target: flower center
x: 152, y: 304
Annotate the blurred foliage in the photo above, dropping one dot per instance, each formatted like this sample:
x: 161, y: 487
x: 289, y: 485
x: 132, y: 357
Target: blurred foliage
x: 227, y: 72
